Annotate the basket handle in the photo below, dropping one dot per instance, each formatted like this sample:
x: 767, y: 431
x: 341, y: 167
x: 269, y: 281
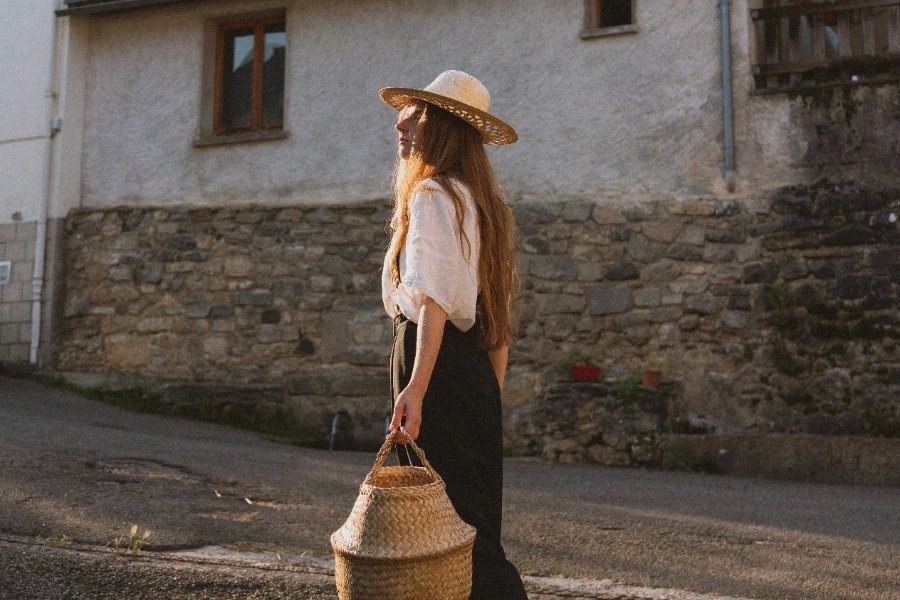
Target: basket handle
x: 386, y: 450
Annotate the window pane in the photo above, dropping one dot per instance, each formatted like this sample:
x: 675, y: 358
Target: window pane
x: 614, y: 13
x: 237, y: 78
x: 273, y: 75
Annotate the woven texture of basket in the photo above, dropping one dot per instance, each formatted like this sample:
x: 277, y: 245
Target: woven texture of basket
x: 403, y: 540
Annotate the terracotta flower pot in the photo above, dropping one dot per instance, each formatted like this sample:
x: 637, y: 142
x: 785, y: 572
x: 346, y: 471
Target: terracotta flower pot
x: 585, y: 372
x: 650, y: 378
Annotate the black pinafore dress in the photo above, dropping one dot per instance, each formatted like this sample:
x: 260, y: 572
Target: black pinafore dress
x: 462, y: 436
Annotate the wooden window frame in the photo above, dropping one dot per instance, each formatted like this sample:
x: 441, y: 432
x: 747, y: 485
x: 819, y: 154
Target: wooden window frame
x: 594, y: 28
x: 256, y: 103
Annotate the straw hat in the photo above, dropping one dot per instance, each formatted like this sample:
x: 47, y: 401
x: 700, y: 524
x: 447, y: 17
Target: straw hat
x: 462, y: 95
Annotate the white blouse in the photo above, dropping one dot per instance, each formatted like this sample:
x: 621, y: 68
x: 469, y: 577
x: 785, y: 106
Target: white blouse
x: 435, y: 262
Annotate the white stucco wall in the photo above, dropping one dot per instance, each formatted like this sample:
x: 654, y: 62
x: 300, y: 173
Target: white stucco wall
x: 635, y: 114
x: 26, y: 43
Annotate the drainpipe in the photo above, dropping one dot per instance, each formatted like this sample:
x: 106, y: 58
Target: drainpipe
x: 40, y: 244
x: 727, y: 107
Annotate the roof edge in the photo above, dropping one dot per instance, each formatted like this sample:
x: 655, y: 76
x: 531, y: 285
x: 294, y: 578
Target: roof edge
x: 86, y: 7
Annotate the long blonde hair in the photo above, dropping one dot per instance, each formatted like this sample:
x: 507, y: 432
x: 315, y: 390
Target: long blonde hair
x: 448, y: 149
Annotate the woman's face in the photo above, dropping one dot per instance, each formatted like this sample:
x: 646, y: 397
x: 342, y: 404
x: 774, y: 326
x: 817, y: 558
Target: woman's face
x: 408, y: 127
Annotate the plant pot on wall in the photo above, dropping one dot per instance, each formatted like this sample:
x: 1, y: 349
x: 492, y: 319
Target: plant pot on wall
x: 585, y: 372
x: 651, y: 377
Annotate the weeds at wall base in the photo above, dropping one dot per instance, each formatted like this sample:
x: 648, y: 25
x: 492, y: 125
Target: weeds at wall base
x: 281, y: 427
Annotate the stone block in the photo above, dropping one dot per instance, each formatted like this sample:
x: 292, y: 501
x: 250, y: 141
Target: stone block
x: 689, y: 285
x: 792, y: 267
x: 120, y: 274
x: 738, y: 303
x: 559, y: 303
x: 637, y: 334
x: 18, y: 352
x: 647, y: 297
x: 321, y: 283
x: 684, y: 253
x: 726, y: 273
x: 672, y: 299
x: 9, y: 333
x: 729, y: 290
x: 15, y: 251
x: 128, y: 351
x: 619, y: 234
x: 537, y: 244
x: 155, y: 324
x: 760, y: 272
x: 605, y: 299
x: 253, y: 298
x: 663, y: 314
x: 529, y: 215
x: 886, y: 257
x: 636, y: 213
x: 216, y: 346
x: 703, y: 305
x: 590, y: 271
x: 113, y: 294
x: 622, y: 270
x: 641, y: 249
x: 715, y: 253
x: 577, y: 212
x: 359, y: 385
x: 692, y: 235
x: 608, y: 215
x: 607, y: 456
x: 221, y: 311
x: 553, y: 267
x: 661, y: 271
x: 238, y: 266
x: 662, y: 231
x: 735, y: 320
x: 273, y: 229
x: 567, y: 445
x: 292, y: 215
x: 693, y: 208
x: 725, y: 236
x: 249, y: 216
x: 271, y: 333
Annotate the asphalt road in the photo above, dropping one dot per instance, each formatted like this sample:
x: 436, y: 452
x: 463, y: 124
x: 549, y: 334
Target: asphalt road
x: 76, y: 474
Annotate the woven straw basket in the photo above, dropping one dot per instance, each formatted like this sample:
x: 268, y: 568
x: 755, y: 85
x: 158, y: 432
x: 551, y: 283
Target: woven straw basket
x: 403, y: 539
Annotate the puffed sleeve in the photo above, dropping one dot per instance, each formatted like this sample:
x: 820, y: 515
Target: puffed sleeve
x: 437, y: 263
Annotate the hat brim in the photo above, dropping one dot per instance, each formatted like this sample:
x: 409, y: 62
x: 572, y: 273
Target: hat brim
x: 493, y: 130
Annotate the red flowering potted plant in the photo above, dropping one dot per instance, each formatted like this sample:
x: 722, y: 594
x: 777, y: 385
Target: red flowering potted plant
x: 651, y: 376
x: 582, y: 368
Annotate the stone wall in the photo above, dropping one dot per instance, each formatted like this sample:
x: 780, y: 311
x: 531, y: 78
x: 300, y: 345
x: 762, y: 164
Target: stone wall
x: 774, y: 314
x: 766, y: 314
x: 17, y: 241
x: 275, y: 307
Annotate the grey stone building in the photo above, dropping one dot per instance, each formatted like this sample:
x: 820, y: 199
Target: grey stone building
x: 709, y: 187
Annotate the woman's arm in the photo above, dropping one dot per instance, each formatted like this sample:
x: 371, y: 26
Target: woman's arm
x: 498, y: 361
x: 430, y: 332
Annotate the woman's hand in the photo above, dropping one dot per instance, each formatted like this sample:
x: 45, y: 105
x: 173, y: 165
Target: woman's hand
x: 408, y: 405
x: 429, y: 333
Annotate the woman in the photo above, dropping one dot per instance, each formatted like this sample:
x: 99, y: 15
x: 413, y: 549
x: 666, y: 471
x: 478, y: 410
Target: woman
x: 447, y: 281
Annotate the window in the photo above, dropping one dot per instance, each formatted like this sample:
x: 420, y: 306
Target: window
x: 801, y: 43
x: 249, y: 79
x: 608, y: 17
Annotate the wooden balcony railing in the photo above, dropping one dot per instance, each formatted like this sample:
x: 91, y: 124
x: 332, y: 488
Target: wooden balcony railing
x: 802, y: 43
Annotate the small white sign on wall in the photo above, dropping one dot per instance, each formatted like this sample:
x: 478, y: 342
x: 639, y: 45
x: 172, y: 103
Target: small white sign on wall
x: 5, y: 268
